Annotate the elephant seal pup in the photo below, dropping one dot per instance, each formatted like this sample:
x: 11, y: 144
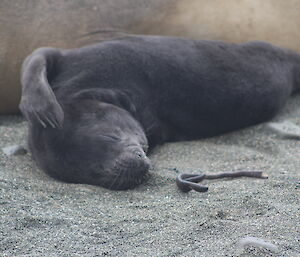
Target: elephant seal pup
x: 93, y: 111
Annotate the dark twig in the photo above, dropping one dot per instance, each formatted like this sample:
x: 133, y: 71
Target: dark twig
x: 187, y: 182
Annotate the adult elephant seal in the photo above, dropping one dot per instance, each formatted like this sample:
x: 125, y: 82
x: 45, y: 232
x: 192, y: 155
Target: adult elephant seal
x: 27, y: 25
x: 94, y: 111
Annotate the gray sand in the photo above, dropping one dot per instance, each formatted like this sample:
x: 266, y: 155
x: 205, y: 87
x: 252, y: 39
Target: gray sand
x: 44, y: 217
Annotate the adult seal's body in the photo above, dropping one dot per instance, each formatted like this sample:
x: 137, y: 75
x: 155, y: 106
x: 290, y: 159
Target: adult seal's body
x: 94, y: 111
x: 27, y: 25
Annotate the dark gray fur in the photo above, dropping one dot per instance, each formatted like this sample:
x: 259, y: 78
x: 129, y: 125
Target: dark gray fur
x: 93, y: 111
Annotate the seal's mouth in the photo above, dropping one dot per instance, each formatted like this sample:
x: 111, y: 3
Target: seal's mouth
x: 129, y: 170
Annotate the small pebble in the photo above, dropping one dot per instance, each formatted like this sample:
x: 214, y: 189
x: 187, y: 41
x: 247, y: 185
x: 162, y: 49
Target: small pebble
x: 285, y: 129
x: 255, y: 241
x: 14, y: 150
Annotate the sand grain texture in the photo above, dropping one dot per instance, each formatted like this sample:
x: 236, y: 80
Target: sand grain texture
x: 44, y: 217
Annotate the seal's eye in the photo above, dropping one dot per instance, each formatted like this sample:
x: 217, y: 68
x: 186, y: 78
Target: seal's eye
x: 110, y: 138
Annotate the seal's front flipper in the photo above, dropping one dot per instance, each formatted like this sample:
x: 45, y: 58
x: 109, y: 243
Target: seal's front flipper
x: 38, y: 103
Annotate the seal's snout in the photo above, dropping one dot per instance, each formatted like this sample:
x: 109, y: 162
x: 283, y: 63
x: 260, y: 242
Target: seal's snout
x: 138, y: 157
x: 140, y: 154
x: 137, y: 161
x: 143, y: 162
x: 142, y: 159
x: 131, y: 168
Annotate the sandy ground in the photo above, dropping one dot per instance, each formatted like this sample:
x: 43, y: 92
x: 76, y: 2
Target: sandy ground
x: 44, y: 217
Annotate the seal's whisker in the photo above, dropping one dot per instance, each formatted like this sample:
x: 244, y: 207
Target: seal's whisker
x: 116, y: 179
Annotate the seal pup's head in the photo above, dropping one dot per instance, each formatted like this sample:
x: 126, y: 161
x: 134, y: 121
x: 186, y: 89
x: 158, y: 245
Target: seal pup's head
x: 101, y: 144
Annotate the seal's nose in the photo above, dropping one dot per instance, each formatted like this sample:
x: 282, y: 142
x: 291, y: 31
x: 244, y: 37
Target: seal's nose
x: 142, y: 161
x: 140, y: 154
